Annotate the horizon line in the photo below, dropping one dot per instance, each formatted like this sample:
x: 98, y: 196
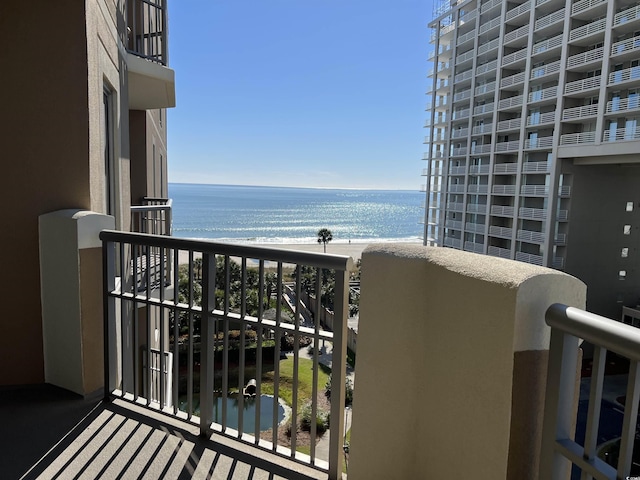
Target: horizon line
x: 289, y: 186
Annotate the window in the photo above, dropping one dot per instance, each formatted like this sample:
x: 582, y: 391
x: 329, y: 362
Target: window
x: 629, y: 207
x: 627, y: 230
x: 622, y: 274
x: 624, y: 253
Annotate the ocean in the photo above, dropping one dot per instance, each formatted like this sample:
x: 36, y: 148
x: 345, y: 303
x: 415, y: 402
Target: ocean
x: 249, y: 214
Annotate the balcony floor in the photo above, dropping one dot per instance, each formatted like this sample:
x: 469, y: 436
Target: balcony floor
x: 52, y: 433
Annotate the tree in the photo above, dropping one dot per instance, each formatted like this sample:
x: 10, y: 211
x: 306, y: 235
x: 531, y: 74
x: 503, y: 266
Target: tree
x: 324, y: 237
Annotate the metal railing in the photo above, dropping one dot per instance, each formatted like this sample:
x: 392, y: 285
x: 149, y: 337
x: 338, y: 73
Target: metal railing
x: 595, y: 27
x: 529, y: 258
x: 577, y: 138
x: 503, y: 210
x: 620, y: 76
x: 500, y: 231
x: 582, y: 5
x: 547, y: 45
x: 628, y: 15
x: 578, y: 86
x: 538, y: 119
x: 487, y: 47
x: 513, y: 124
x: 623, y: 104
x: 144, y: 31
x: 485, y: 27
x: 585, y: 57
x: 519, y: 10
x: 548, y: 20
x: 499, y: 252
x: 543, y: 70
x: 531, y: 167
x: 576, y: 113
x: 510, y: 102
x: 482, y: 169
x: 540, y: 142
x: 512, y: 80
x: 223, y: 289
x: 622, y: 134
x: 529, y: 236
x: 515, y: 56
x: 464, y: 57
x: 569, y: 326
x: 485, y: 88
x: 505, y: 168
x: 516, y: 34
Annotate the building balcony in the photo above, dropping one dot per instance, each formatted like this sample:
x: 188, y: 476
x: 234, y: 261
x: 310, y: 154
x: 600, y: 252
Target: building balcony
x: 460, y: 133
x: 462, y: 39
x: 504, y: 190
x: 474, y: 227
x: 625, y: 49
x: 480, y: 129
x: 546, y: 46
x: 540, y: 142
x: 512, y: 146
x: 529, y: 258
x: 530, y: 236
x: 473, y: 247
x: 535, y: 167
x: 534, y: 190
x: 541, y: 119
x: 515, y: 58
x: 532, y: 213
x: 485, y: 48
x: 621, y: 134
x: 499, y: 252
x: 488, y: 26
x: 585, y: 8
x: 517, y: 36
x: 627, y: 18
x: 151, y: 83
x: 510, y: 168
x: 519, y: 12
x: 579, y: 113
x: 548, y: 21
x: 585, y: 60
x: 478, y: 188
x: 519, y: 357
x: 458, y: 188
x: 476, y: 208
x: 578, y: 87
x: 503, y: 211
x: 619, y: 105
x: 544, y: 70
x: 506, y: 125
x: 626, y: 76
x: 455, y: 206
x: 577, y: 138
x: 485, y: 89
x: 479, y: 169
x: 511, y: 103
x: 512, y: 80
x: 588, y: 33
x: 482, y: 109
x: 502, y: 232
x: 465, y: 57
x: 463, y: 76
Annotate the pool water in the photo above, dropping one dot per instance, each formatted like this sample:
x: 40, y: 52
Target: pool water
x: 249, y: 412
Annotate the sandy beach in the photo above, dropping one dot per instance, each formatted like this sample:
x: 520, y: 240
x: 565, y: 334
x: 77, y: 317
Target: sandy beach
x: 354, y: 250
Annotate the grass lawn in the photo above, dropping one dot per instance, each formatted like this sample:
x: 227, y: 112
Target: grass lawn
x: 305, y: 381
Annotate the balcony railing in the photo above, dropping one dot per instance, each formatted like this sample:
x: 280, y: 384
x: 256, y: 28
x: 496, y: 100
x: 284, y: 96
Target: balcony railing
x: 512, y: 80
x: 547, y: 45
x: 583, y: 5
x: 534, y: 167
x: 486, y: 6
x: 507, y: 146
x: 622, y: 134
x: 133, y: 370
x: 499, y: 252
x: 484, y: 128
x: 529, y: 258
x: 623, y: 104
x: 544, y: 70
x: 577, y: 138
x: 511, y: 102
x: 487, y: 47
x: 534, y: 190
x: 487, y: 67
x: 540, y: 142
x: 628, y: 45
x: 514, y: 57
x: 577, y: 113
x: 516, y: 34
x: 587, y: 30
x: 582, y: 85
x: 538, y: 119
x: 530, y: 236
x: 145, y: 28
x: 486, y: 88
x: 519, y: 10
x: 481, y: 169
x: 500, y: 231
x: 550, y: 19
x: 502, y: 211
x: 490, y: 25
x: 585, y: 57
x: 628, y: 15
x: 533, y: 213
x: 569, y: 327
x: 513, y: 124
x: 474, y: 247
x: 625, y: 75
x: 505, y: 168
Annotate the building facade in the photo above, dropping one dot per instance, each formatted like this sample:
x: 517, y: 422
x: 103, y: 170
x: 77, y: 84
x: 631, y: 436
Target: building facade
x: 85, y: 88
x: 533, y: 147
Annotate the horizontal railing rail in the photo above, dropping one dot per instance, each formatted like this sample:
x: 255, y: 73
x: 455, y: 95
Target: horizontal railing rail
x: 172, y: 347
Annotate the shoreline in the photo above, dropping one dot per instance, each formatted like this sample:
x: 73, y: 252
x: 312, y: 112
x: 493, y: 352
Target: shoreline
x: 353, y: 250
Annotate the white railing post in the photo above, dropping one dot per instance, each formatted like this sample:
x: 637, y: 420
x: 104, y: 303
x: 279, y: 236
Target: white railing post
x: 207, y: 343
x: 338, y: 374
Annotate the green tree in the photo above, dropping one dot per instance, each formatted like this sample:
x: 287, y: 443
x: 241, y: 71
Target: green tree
x: 324, y: 237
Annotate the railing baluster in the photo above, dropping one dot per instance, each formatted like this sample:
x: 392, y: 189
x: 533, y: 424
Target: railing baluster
x: 163, y: 400
x: 630, y: 421
x: 338, y: 373
x: 135, y: 252
x: 225, y: 340
x: 296, y: 362
x: 276, y: 359
x: 206, y: 343
x: 176, y: 336
x: 109, y: 310
x: 259, y: 333
x: 316, y: 347
x: 147, y: 276
x: 123, y: 326
x: 241, y: 356
x: 595, y: 400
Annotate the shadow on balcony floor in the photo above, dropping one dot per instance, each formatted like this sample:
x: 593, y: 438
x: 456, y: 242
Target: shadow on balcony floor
x: 52, y: 433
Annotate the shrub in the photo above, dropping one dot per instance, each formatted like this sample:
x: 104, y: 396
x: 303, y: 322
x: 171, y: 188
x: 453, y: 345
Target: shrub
x: 348, y: 391
x: 322, y: 420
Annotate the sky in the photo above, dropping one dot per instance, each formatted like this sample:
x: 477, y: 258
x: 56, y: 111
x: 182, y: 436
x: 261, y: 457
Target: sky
x: 306, y: 93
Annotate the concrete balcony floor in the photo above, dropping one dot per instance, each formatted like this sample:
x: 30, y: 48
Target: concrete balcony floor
x: 52, y: 433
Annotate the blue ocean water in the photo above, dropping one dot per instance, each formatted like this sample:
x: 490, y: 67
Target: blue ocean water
x: 294, y: 215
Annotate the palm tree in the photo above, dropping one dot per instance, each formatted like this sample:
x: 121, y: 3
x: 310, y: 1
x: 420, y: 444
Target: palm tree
x: 324, y: 237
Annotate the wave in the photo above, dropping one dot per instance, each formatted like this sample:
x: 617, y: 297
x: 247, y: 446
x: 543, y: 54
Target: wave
x: 304, y: 240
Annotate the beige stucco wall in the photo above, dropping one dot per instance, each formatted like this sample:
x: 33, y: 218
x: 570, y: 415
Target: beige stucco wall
x: 55, y: 59
x: 441, y: 334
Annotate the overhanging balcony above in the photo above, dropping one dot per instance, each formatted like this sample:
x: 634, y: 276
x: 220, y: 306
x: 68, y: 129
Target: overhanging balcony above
x: 151, y: 85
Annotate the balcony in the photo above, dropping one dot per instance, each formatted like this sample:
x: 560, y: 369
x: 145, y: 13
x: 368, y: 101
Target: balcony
x: 499, y: 252
x: 144, y: 36
x: 628, y: 16
x: 503, y: 361
x: 473, y: 247
x: 518, y: 11
x: 534, y: 190
x: 502, y: 232
x: 530, y: 236
x: 480, y: 129
x: 624, y: 76
x: 512, y: 80
x: 547, y: 45
x: 540, y: 142
x: 474, y: 227
x: 505, y: 168
x: 503, y: 211
x: 476, y: 207
x: 535, y: 167
x: 621, y: 134
x: 504, y: 190
x: 489, y: 46
x: 488, y: 5
x: 532, y: 213
x: 549, y: 20
x: 578, y: 87
x: 587, y: 33
x: 541, y: 119
x: 585, y: 59
x: 516, y: 34
x: 510, y: 103
x: 479, y: 169
x: 488, y: 26
x: 516, y: 57
x: 577, y: 138
x: 512, y: 146
x: 625, y: 48
x: 513, y: 124
x: 618, y: 105
x: 582, y: 6
x: 529, y: 258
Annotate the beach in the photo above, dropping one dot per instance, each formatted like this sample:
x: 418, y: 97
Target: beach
x: 354, y: 250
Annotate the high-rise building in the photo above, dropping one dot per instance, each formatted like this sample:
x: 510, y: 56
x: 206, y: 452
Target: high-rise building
x: 533, y: 138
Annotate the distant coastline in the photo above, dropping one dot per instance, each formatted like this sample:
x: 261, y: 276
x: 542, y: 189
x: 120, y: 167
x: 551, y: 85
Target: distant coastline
x: 293, y: 215
x: 301, y: 188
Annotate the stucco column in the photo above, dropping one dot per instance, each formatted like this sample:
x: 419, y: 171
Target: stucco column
x: 451, y: 363
x: 71, y: 291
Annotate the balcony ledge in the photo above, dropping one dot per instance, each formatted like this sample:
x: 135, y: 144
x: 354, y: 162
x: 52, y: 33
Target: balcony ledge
x: 151, y: 85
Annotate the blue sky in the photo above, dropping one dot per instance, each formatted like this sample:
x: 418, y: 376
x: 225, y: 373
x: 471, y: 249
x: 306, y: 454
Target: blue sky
x: 309, y: 93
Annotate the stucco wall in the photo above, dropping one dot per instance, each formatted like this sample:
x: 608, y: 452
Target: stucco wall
x: 443, y: 346
x: 45, y: 158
